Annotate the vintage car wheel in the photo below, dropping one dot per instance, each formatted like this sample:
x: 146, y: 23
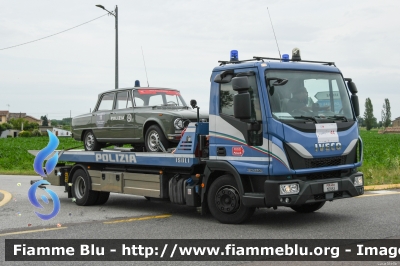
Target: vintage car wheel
x: 91, y: 143
x: 153, y: 135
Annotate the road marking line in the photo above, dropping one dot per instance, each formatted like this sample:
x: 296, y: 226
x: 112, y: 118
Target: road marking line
x: 32, y: 231
x: 378, y: 194
x: 139, y: 219
x: 7, y: 197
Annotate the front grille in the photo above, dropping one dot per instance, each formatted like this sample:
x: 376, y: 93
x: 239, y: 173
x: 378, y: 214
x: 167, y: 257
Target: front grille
x: 322, y: 162
x: 324, y: 175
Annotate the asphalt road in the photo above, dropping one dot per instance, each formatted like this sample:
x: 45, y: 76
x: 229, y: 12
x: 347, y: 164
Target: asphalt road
x: 372, y: 216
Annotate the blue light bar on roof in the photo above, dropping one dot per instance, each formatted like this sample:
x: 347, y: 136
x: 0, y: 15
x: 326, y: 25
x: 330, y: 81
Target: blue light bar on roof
x: 285, y: 58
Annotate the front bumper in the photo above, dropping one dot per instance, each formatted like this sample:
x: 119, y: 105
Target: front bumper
x: 310, y: 192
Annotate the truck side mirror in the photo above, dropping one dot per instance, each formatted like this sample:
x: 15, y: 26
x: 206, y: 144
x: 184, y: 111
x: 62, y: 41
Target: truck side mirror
x: 351, y: 85
x: 356, y: 105
x: 241, y: 101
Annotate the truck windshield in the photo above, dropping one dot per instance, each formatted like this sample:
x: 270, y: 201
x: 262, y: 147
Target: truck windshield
x: 308, y: 96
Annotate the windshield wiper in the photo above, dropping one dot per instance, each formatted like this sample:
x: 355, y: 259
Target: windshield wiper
x: 338, y: 117
x: 306, y: 117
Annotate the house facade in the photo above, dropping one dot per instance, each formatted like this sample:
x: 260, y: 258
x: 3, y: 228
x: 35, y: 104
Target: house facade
x: 396, y: 122
x: 4, y: 116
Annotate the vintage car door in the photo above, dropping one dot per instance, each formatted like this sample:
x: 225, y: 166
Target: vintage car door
x: 101, y: 115
x: 122, y: 119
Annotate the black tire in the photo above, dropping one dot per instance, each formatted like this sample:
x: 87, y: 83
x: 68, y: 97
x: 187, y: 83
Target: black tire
x: 90, y: 142
x: 153, y: 135
x: 102, y: 198
x: 307, y: 208
x: 80, y: 189
x: 224, y: 201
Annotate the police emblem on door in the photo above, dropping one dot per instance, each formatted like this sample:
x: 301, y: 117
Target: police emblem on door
x: 129, y: 117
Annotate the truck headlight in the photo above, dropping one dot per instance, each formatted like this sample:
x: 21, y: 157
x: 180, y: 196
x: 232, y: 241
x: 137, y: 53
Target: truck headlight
x: 289, y: 189
x: 178, y: 123
x: 358, y: 181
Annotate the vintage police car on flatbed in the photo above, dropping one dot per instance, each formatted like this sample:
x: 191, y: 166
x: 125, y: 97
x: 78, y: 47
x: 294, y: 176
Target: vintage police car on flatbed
x: 138, y: 116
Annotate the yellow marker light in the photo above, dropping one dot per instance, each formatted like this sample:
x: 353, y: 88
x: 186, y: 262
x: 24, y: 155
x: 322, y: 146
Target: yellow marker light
x: 197, y: 175
x: 88, y: 167
x: 202, y: 185
x: 161, y: 172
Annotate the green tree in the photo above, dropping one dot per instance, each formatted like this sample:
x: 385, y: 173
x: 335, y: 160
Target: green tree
x: 386, y: 114
x: 369, y: 118
x: 4, y: 127
x: 54, y: 122
x: 45, y: 121
x: 17, y: 124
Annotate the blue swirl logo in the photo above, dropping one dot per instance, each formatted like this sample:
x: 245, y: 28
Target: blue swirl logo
x: 49, y: 167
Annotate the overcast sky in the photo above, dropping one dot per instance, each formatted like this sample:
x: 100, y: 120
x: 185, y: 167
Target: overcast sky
x: 182, y: 42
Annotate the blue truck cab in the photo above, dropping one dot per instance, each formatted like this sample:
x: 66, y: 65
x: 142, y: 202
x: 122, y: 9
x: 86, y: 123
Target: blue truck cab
x: 286, y: 132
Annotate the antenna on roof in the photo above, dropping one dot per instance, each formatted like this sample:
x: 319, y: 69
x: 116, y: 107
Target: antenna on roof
x: 144, y: 63
x: 274, y: 34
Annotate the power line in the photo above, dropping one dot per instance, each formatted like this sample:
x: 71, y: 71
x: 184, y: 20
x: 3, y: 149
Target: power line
x: 52, y: 34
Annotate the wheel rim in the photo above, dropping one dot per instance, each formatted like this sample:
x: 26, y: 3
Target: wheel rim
x: 227, y: 199
x: 79, y: 187
x: 152, y: 140
x: 90, y: 141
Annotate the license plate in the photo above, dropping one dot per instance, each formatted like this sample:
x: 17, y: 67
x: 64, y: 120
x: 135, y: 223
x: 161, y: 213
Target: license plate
x: 331, y: 187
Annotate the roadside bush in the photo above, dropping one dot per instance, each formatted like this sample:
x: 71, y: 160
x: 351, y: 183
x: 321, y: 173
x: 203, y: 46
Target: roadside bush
x: 24, y: 134
x: 36, y: 133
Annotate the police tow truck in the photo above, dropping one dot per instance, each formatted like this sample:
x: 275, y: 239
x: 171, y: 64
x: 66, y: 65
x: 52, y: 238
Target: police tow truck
x: 281, y: 132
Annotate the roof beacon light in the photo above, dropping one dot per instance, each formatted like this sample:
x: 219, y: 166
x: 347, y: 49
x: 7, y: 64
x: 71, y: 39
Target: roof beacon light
x: 296, y: 54
x: 285, y: 58
x: 137, y: 83
x: 234, y: 55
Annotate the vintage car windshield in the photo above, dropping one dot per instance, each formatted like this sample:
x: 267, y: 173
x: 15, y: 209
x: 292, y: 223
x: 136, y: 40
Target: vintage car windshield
x: 149, y: 97
x: 308, y: 95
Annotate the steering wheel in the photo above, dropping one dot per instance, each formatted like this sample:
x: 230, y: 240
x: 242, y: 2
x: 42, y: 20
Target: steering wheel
x: 172, y: 102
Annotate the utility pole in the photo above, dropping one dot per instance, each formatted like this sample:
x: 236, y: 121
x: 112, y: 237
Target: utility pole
x: 115, y: 14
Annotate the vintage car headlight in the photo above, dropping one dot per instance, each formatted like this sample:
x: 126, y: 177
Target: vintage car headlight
x: 178, y: 123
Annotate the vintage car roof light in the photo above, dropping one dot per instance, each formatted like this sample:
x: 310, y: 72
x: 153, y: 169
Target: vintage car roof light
x: 234, y: 55
x: 137, y: 83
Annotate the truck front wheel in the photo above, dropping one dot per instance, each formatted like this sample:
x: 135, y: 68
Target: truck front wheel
x: 80, y: 189
x: 224, y: 201
x: 307, y: 208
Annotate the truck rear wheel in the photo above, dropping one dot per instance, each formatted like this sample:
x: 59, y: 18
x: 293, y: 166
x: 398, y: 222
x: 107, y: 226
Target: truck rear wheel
x: 80, y: 189
x: 224, y: 201
x: 91, y: 144
x: 307, y: 208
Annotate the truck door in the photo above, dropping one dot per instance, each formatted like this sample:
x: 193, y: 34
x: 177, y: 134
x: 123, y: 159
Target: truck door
x: 238, y: 140
x: 121, y: 119
x: 102, y: 116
